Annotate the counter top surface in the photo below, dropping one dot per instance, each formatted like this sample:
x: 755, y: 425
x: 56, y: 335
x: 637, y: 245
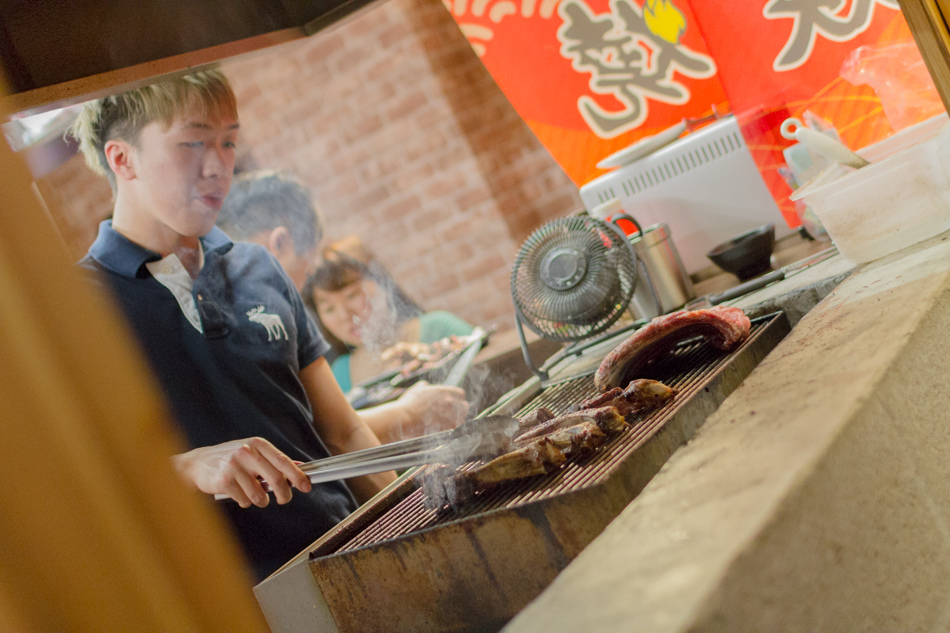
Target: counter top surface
x: 815, y: 498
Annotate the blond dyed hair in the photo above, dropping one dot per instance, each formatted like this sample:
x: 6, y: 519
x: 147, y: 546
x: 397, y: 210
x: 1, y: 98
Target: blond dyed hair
x: 123, y: 116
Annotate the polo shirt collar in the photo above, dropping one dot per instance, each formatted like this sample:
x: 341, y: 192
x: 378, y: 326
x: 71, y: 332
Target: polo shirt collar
x: 123, y: 256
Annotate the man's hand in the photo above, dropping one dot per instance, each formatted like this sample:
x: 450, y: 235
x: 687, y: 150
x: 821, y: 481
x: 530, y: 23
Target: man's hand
x: 432, y: 408
x: 238, y: 468
x: 422, y: 409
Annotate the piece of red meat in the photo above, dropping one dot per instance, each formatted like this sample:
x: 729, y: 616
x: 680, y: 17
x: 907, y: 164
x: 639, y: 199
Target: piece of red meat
x: 724, y: 327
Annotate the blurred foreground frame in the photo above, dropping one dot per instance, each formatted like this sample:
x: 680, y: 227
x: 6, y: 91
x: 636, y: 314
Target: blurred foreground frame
x: 97, y: 532
x: 927, y: 20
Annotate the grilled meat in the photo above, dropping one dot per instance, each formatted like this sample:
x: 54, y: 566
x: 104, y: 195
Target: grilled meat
x: 560, y: 422
x: 411, y: 357
x: 536, y: 417
x: 639, y: 396
x: 724, y: 327
x: 607, y: 398
x: 608, y: 419
x: 644, y: 393
x: 541, y: 450
x: 579, y: 440
x: 538, y: 457
x: 443, y: 486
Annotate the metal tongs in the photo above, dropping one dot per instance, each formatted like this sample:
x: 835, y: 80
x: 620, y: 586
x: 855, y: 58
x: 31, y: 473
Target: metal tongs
x: 457, y: 374
x: 477, y: 438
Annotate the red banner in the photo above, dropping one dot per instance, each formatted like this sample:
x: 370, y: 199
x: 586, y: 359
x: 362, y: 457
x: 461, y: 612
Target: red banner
x: 791, y: 60
x: 590, y: 77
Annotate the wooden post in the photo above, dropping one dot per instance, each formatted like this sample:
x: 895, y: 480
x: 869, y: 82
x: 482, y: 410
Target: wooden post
x: 927, y: 21
x: 97, y: 533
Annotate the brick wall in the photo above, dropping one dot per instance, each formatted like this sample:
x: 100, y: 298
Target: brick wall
x: 406, y: 141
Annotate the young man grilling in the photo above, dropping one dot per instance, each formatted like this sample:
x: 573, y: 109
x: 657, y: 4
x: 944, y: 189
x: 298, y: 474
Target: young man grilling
x: 221, y: 324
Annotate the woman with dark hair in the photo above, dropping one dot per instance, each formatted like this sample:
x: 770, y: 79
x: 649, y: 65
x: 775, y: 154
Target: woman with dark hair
x: 362, y: 311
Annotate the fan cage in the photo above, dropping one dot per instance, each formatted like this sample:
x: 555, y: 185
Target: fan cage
x: 599, y: 298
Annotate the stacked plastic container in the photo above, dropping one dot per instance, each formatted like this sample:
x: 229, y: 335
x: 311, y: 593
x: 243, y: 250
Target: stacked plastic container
x: 900, y: 199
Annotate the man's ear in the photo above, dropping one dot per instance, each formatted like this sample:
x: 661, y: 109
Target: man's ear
x: 119, y: 155
x: 279, y: 242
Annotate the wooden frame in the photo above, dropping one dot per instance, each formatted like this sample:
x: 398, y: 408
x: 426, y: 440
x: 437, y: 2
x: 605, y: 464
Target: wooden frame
x: 97, y: 533
x: 928, y: 22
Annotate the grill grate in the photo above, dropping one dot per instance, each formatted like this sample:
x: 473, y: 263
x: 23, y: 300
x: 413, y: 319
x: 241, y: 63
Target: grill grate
x: 687, y: 369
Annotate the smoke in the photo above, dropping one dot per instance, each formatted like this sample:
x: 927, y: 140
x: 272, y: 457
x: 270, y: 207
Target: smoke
x: 389, y: 309
x: 445, y: 487
x: 445, y: 484
x: 482, y: 388
x: 380, y: 327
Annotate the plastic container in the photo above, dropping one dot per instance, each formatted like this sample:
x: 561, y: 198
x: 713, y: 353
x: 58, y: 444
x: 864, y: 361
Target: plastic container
x: 900, y: 199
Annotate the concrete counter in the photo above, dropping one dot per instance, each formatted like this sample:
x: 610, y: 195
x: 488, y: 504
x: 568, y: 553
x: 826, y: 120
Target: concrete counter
x: 815, y: 498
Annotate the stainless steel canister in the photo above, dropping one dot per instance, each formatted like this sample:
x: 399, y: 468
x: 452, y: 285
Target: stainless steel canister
x: 663, y: 284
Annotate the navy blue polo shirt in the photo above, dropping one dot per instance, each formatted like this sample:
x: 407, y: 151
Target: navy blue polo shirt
x: 236, y: 379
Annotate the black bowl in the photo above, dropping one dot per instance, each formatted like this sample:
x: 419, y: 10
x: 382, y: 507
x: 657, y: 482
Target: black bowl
x: 746, y: 255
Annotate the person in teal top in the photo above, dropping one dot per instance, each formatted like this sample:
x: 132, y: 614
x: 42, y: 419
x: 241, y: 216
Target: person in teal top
x: 362, y: 311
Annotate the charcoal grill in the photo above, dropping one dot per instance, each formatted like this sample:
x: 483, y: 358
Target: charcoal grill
x: 396, y: 566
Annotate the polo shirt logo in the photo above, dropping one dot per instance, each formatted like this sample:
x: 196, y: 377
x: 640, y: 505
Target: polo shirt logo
x: 271, y: 322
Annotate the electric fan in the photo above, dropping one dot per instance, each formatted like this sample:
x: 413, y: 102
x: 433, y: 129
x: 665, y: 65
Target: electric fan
x: 571, y: 280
